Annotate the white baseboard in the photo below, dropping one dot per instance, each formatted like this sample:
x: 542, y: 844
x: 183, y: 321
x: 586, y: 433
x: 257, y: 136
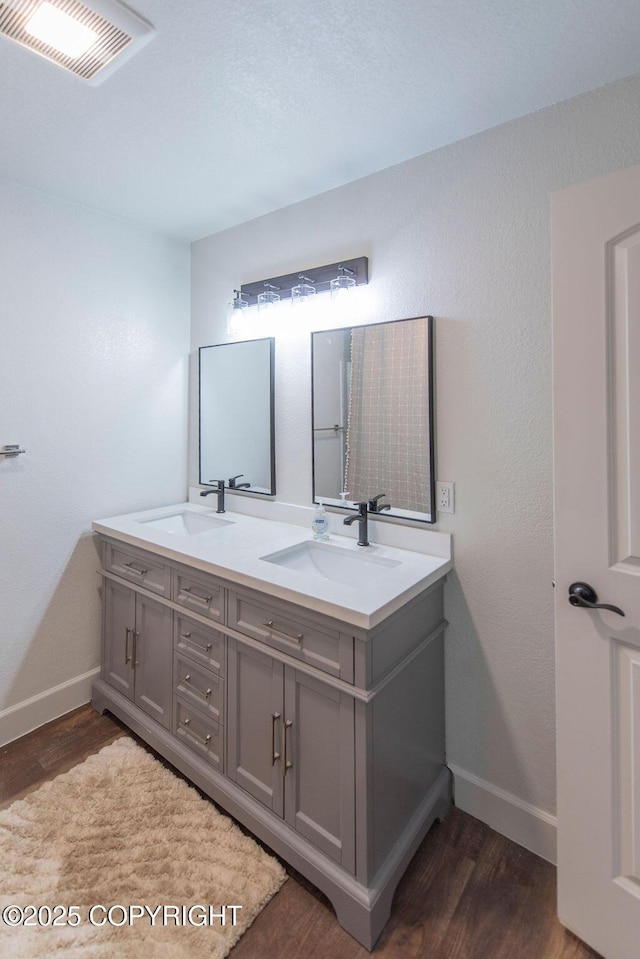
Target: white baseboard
x: 527, y: 825
x: 26, y: 716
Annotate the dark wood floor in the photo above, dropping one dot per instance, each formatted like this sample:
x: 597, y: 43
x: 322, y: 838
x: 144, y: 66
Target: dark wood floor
x: 469, y: 893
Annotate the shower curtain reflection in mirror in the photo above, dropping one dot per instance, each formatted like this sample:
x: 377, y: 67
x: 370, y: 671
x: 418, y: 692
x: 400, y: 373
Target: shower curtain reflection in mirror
x: 373, y: 386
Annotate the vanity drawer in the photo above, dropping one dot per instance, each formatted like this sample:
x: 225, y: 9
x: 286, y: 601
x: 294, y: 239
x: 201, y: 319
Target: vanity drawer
x: 291, y: 629
x: 199, y: 687
x: 201, y: 593
x: 202, y: 735
x: 137, y: 567
x: 202, y: 644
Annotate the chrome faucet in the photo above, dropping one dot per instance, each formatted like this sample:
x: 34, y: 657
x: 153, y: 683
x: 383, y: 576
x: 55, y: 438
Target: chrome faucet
x: 361, y: 516
x: 234, y: 485
x: 219, y: 489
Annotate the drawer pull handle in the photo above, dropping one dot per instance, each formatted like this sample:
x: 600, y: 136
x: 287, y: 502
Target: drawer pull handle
x: 204, y: 740
x: 187, y: 682
x: 134, y: 569
x: 288, y: 638
x: 287, y: 764
x: 195, y: 596
x: 274, y: 755
x: 206, y: 648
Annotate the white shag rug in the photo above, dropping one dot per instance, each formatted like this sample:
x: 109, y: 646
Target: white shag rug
x: 147, y: 863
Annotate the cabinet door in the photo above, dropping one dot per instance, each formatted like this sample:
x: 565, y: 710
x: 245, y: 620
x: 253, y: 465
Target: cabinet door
x: 320, y: 765
x: 254, y: 723
x: 153, y: 659
x: 119, y: 625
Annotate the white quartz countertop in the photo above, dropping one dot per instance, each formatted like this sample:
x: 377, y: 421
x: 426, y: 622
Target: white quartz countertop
x: 234, y: 553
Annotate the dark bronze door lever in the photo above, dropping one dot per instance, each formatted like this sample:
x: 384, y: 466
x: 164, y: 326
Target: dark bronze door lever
x: 581, y: 594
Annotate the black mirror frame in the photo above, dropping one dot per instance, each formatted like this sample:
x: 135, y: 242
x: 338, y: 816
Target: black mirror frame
x: 410, y: 515
x: 272, y: 430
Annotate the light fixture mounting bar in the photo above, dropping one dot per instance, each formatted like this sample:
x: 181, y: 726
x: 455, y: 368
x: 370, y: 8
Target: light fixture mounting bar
x: 319, y: 276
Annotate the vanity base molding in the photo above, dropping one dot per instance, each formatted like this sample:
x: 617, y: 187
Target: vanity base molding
x: 362, y: 911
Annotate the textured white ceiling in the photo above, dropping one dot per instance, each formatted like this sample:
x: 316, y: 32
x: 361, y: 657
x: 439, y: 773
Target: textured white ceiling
x: 238, y: 108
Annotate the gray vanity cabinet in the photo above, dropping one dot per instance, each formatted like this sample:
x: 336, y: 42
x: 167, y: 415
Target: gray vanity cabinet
x: 291, y: 746
x: 137, y: 647
x: 324, y: 738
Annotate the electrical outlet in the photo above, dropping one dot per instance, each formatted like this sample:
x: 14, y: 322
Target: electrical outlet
x: 445, y: 497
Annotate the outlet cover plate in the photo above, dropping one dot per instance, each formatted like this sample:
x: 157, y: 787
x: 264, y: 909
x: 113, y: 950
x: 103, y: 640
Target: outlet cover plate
x: 445, y: 497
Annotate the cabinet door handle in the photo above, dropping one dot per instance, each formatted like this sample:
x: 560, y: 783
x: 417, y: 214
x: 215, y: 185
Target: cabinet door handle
x: 207, y: 648
x: 287, y: 764
x: 203, y: 740
x: 274, y: 755
x: 195, y: 597
x: 127, y: 634
x: 134, y: 569
x: 134, y: 652
x: 288, y: 638
x: 194, y: 689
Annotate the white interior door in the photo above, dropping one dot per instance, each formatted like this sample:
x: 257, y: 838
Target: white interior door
x: 596, y: 291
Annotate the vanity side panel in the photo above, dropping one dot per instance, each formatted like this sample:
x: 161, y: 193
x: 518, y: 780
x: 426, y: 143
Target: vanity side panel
x: 406, y: 746
x: 364, y: 792
x: 403, y: 632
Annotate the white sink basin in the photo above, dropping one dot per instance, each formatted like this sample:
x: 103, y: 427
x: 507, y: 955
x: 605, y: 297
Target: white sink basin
x: 185, y: 523
x: 333, y: 562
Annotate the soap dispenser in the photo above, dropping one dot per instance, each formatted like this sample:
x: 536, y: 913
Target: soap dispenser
x: 320, y: 524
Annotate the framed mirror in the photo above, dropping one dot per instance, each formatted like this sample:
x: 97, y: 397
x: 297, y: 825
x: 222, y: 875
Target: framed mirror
x: 237, y: 415
x: 372, y: 417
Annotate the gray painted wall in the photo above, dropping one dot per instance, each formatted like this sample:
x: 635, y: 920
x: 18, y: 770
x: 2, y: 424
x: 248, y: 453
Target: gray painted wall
x: 94, y: 318
x: 463, y: 233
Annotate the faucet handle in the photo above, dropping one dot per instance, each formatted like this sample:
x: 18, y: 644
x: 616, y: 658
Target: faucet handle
x: 373, y: 504
x: 234, y: 485
x: 217, y: 488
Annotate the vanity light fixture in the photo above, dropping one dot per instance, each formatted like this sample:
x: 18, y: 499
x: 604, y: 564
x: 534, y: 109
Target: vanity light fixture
x: 302, y: 285
x: 268, y: 298
x: 345, y: 280
x: 240, y: 301
x: 303, y: 291
x: 88, y: 41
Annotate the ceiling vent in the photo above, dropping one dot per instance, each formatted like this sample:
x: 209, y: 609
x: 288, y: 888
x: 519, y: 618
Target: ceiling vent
x: 90, y: 42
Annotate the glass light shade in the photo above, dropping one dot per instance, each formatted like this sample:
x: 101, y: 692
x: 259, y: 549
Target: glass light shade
x: 341, y: 284
x: 302, y: 293
x: 268, y: 299
x: 240, y: 300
